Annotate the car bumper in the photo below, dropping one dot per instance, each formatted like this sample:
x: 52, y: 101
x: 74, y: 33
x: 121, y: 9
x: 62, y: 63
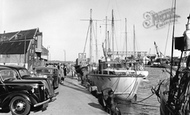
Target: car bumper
x: 45, y: 102
x: 41, y: 103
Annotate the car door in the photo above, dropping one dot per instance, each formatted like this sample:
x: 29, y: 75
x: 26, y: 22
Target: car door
x: 3, y: 89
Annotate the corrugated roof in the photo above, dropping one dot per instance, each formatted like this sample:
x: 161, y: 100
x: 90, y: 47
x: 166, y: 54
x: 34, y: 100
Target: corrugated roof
x: 13, y: 47
x: 19, y: 35
x: 7, y: 36
x: 14, y: 42
x: 25, y: 34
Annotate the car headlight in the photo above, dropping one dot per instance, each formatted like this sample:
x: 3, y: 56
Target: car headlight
x: 43, y: 87
x: 45, y: 76
x: 35, y: 86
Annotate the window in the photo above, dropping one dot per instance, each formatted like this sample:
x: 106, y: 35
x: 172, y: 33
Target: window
x: 7, y: 73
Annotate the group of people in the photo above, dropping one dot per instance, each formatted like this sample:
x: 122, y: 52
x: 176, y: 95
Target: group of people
x: 62, y: 72
x: 76, y: 71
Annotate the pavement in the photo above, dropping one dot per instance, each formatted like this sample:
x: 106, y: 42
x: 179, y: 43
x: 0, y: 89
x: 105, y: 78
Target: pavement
x: 73, y: 99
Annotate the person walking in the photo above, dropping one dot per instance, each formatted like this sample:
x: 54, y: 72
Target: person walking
x: 65, y: 70
x: 60, y: 71
x: 73, y: 71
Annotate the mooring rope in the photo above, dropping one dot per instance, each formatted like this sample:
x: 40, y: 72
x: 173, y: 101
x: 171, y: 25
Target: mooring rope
x: 144, y: 99
x: 117, y: 81
x: 154, y: 91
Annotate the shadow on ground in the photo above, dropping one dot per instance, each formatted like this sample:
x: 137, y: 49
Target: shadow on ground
x: 75, y: 87
x: 95, y: 105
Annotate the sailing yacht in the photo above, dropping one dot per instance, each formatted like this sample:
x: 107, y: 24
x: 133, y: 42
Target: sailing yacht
x: 121, y: 76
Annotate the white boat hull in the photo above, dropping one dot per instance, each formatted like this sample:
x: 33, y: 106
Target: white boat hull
x: 124, y: 87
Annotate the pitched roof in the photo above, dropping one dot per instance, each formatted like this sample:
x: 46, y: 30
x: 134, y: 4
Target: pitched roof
x: 16, y: 47
x: 19, y: 35
x: 6, y: 36
x: 25, y: 34
x: 14, y: 42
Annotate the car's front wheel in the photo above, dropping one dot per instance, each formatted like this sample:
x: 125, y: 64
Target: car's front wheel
x: 19, y: 106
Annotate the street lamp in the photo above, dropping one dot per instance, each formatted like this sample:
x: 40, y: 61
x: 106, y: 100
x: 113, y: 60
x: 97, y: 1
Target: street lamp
x: 48, y: 53
x: 64, y: 55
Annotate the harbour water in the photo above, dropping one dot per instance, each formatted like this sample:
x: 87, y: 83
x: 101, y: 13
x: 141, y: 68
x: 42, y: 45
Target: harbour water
x: 144, y: 105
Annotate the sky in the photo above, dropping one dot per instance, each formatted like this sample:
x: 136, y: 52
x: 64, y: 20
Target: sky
x: 64, y: 24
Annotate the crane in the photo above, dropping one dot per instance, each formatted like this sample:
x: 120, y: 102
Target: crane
x: 159, y: 54
x: 160, y: 60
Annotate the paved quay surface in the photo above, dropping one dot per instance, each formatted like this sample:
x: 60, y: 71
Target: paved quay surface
x: 73, y: 99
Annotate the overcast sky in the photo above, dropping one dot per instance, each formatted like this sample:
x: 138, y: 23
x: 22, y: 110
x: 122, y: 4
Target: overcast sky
x: 61, y: 23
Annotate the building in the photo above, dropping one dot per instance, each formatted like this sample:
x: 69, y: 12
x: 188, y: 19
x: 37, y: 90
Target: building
x: 23, y: 48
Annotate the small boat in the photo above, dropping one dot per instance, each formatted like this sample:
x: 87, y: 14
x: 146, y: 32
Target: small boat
x: 123, y: 78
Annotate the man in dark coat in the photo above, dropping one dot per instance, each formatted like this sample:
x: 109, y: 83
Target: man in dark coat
x: 65, y: 70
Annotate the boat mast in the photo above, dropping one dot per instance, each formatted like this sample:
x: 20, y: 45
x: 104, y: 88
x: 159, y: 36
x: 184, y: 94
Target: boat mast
x: 106, y: 40
x: 172, y: 50
x: 96, y: 44
x: 112, y: 22
x: 109, y: 54
x: 126, y: 35
x: 134, y: 41
x: 90, y: 52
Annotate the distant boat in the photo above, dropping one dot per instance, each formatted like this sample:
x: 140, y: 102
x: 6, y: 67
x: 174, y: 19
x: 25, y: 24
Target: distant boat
x: 160, y: 62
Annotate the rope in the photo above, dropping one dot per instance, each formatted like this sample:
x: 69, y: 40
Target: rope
x: 132, y: 89
x: 86, y: 39
x: 154, y: 91
x: 117, y: 81
x: 145, y: 104
x: 130, y: 85
x: 128, y: 88
x: 144, y: 99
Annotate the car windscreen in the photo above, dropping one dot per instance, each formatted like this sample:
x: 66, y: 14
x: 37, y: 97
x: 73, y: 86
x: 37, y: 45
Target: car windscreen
x: 44, y: 71
x: 24, y: 72
x: 7, y: 74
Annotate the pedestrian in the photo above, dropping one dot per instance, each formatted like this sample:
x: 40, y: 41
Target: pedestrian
x: 73, y: 71
x: 62, y: 75
x: 65, y: 70
x: 60, y: 72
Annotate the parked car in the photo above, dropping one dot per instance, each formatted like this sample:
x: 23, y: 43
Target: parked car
x: 49, y: 72
x: 24, y: 74
x: 21, y: 96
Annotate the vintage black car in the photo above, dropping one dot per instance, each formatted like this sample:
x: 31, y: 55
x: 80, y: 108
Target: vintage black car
x: 23, y: 73
x: 49, y: 72
x: 21, y: 96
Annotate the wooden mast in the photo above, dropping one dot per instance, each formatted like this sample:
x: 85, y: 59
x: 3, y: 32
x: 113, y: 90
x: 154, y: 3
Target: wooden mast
x: 126, y: 35
x: 96, y: 44
x: 112, y: 22
x: 90, y: 36
x: 106, y: 39
x: 134, y: 50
